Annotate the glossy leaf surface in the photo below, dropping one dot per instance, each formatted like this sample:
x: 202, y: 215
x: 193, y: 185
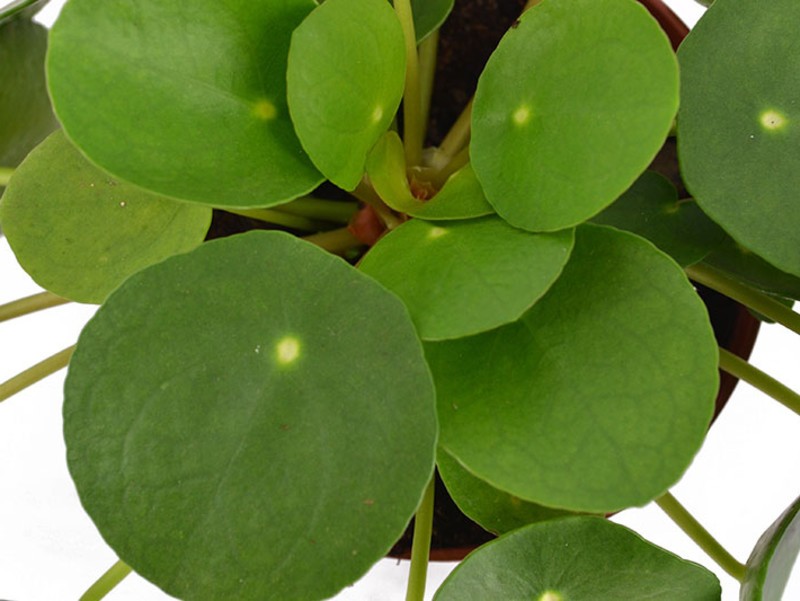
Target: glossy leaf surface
x: 186, y: 99
x: 739, y: 124
x: 571, y: 108
x: 577, y: 559
x: 79, y: 233
x: 770, y: 564
x: 24, y: 105
x: 651, y: 209
x: 495, y: 510
x: 459, y: 278
x: 253, y: 420
x: 344, y: 83
x: 599, y: 396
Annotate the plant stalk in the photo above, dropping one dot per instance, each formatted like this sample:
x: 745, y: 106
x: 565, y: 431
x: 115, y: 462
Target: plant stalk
x: 428, y: 50
x: 757, y: 301
x: 33, y: 374
x: 458, y: 137
x: 412, y: 96
x: 686, y: 522
x: 30, y: 304
x: 337, y: 241
x: 421, y: 546
x: 106, y: 583
x: 320, y: 208
x: 295, y: 222
x: 366, y: 194
x: 738, y: 367
x: 5, y: 172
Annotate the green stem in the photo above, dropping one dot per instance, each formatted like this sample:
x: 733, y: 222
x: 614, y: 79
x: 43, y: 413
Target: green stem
x: 335, y: 241
x: 106, y: 583
x: 761, y: 303
x: 295, y: 222
x: 366, y: 194
x: 421, y: 546
x: 30, y: 304
x: 5, y: 172
x: 412, y: 97
x: 14, y: 8
x: 458, y: 137
x: 320, y: 208
x: 686, y: 522
x: 428, y: 50
x: 457, y: 162
x: 738, y: 367
x: 33, y: 374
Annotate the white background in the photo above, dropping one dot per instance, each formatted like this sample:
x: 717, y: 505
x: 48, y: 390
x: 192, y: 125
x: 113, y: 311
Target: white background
x: 744, y: 476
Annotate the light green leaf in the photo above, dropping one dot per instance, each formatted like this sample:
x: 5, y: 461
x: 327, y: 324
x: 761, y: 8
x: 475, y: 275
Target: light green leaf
x: 577, y: 559
x: 651, y: 209
x: 386, y: 168
x: 25, y: 108
x: 459, y: 278
x: 253, y: 420
x: 495, y: 510
x: 185, y: 99
x: 598, y: 397
x: 79, y: 233
x: 344, y: 83
x: 739, y: 124
x: 461, y: 197
x: 771, y: 562
x: 572, y: 106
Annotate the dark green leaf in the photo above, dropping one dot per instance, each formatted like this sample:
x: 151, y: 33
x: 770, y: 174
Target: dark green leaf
x: 599, y: 396
x: 493, y: 509
x: 651, y: 209
x: 25, y: 9
x: 429, y: 15
x: 253, y: 420
x: 25, y: 108
x: 577, y: 559
x: 79, y: 232
x: 344, y: 83
x: 459, y: 278
x: 571, y: 108
x: 186, y: 99
x: 771, y: 562
x: 738, y: 131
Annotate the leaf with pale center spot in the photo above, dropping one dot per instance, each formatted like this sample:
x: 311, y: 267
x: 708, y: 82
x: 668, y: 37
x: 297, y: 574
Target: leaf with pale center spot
x: 599, y: 396
x: 577, y: 559
x: 459, y: 278
x: 739, y: 124
x: 651, y: 209
x: 344, y: 83
x: 185, y: 99
x: 79, y: 232
x: 252, y: 420
x: 572, y: 106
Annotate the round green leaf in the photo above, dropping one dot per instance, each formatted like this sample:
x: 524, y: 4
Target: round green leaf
x: 429, y: 15
x: 739, y: 124
x: 344, y: 83
x: 651, y: 209
x: 495, y: 510
x: 463, y: 277
x: 770, y: 564
x: 571, y: 108
x: 577, y: 559
x: 252, y: 420
x: 79, y: 232
x: 599, y: 396
x: 747, y: 267
x: 24, y: 104
x: 186, y: 99
x: 461, y: 197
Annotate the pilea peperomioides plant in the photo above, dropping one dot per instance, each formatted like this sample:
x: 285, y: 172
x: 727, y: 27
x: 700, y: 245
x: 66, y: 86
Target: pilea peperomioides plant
x: 259, y: 416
